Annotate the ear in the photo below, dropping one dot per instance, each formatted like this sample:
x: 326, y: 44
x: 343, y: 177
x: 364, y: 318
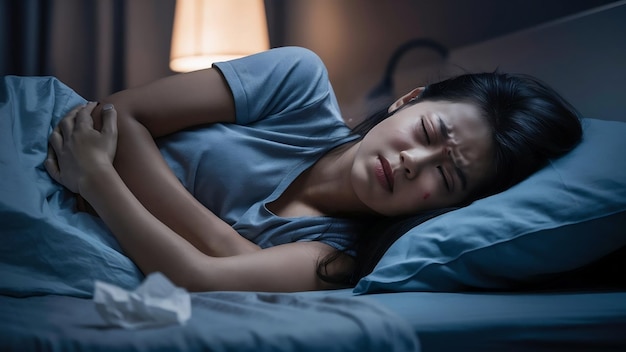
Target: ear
x: 405, y: 99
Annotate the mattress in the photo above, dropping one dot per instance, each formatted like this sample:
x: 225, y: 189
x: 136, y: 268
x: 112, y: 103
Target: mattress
x: 539, y: 321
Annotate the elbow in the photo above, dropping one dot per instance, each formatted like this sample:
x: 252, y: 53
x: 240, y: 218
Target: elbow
x: 193, y: 276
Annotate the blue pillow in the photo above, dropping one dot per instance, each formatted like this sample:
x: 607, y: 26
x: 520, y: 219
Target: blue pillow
x: 567, y: 215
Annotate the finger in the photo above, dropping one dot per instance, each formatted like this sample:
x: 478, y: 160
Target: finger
x: 83, y: 116
x: 75, y: 110
x: 56, y: 142
x: 52, y: 166
x: 109, y: 120
x: 56, y: 129
x: 72, y: 113
x: 52, y: 156
x: 67, y: 123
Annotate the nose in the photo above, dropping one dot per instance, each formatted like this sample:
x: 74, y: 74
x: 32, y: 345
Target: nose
x: 416, y: 159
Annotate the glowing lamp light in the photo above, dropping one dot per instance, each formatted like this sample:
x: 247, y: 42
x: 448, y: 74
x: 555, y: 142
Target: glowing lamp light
x: 208, y: 31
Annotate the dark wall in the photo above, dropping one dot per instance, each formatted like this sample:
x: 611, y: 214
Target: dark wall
x: 354, y: 37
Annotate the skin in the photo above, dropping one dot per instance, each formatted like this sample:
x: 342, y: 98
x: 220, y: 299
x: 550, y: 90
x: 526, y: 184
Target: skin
x: 109, y: 157
x: 428, y: 168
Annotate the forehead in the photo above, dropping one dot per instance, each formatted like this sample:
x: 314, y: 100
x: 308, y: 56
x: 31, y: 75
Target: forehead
x: 463, y: 123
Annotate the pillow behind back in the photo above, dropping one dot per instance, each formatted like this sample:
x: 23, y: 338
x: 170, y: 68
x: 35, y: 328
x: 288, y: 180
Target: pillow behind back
x: 564, y: 217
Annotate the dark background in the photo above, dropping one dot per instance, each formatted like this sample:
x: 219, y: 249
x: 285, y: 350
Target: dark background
x: 101, y: 46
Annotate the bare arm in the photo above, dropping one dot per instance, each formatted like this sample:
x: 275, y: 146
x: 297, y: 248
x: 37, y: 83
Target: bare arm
x: 155, y: 247
x: 177, y: 102
x: 157, y: 109
x: 82, y: 161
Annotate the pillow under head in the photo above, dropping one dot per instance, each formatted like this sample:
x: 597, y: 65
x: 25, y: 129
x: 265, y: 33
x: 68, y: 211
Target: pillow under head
x: 564, y: 217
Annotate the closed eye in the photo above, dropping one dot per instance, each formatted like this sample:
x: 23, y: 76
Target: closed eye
x: 443, y: 176
x: 425, y: 132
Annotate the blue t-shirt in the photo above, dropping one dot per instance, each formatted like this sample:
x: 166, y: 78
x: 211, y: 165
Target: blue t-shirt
x: 287, y: 118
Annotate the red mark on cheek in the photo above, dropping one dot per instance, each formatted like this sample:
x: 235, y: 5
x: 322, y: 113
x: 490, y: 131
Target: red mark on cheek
x: 426, y: 195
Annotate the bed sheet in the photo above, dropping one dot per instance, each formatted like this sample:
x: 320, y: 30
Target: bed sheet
x: 45, y: 246
x: 220, y: 321
x: 521, y: 321
x: 335, y: 321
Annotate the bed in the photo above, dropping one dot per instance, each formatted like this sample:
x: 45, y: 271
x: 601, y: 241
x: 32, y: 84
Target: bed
x: 437, y: 288
x: 333, y: 321
x: 539, y: 267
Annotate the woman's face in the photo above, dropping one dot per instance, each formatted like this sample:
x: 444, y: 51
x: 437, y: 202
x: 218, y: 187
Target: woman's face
x: 426, y: 156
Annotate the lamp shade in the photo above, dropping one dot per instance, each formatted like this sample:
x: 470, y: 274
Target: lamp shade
x: 207, y: 31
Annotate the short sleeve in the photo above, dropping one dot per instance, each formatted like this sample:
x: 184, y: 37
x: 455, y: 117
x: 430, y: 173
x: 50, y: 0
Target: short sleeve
x: 274, y: 82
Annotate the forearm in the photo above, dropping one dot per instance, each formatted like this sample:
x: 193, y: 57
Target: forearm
x: 159, y: 108
x: 155, y: 247
x: 82, y: 159
x: 151, y: 244
x: 142, y: 167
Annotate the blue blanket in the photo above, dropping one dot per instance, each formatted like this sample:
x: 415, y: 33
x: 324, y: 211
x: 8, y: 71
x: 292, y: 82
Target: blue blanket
x: 45, y: 246
x: 220, y: 321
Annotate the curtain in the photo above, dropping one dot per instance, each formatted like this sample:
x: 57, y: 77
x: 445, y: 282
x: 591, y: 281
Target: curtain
x: 97, y: 47
x: 22, y: 36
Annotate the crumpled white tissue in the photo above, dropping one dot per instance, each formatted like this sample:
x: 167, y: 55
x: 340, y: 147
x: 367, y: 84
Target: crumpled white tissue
x: 156, y: 302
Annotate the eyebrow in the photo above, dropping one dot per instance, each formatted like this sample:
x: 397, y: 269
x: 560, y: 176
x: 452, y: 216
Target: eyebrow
x: 446, y: 134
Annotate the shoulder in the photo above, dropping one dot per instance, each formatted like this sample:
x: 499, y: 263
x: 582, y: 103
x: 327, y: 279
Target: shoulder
x: 290, y: 62
x: 294, y: 54
x: 301, y: 73
x: 300, y: 57
x: 276, y: 81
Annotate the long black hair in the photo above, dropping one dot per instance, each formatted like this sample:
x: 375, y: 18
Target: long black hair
x: 530, y: 123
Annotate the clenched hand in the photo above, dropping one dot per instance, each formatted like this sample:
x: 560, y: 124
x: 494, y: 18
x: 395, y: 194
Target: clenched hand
x: 77, y: 150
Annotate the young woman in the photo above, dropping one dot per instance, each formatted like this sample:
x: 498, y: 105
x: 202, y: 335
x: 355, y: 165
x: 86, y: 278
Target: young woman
x: 244, y: 176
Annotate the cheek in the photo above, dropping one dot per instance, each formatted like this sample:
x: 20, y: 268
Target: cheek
x: 422, y: 194
x: 391, y: 136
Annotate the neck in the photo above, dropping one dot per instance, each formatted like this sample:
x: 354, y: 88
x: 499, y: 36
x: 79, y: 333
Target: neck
x: 328, y: 185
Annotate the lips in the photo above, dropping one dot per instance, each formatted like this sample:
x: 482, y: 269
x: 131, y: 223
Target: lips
x: 384, y: 174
